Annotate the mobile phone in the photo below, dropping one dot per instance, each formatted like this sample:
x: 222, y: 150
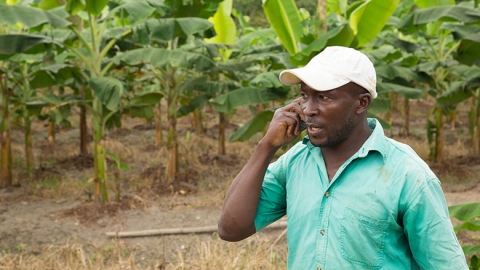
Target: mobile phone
x: 303, y: 126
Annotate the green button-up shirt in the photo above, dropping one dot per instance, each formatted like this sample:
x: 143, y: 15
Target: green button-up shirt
x: 383, y: 209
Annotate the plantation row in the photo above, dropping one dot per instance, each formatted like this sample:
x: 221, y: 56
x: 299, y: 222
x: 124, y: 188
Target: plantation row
x: 117, y: 58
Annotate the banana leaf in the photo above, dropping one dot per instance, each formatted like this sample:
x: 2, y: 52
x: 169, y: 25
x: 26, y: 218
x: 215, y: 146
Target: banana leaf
x: 369, y: 19
x: 433, y: 14
x: 434, y: 3
x: 162, y: 58
x: 284, y: 18
x: 30, y: 17
x: 408, y: 92
x: 256, y: 124
x: 245, y: 97
x: 465, y: 212
x: 108, y: 90
x: 223, y: 24
x: 25, y: 43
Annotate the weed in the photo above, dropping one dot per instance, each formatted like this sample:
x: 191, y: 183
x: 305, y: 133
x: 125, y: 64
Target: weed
x: 20, y: 247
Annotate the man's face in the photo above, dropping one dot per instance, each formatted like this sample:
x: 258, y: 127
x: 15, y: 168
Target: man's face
x: 329, y: 115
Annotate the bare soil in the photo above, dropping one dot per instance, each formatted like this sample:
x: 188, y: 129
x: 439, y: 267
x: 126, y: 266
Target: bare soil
x: 54, y: 207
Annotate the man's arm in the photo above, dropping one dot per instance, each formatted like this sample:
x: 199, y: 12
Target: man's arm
x: 430, y: 232
x: 239, y: 209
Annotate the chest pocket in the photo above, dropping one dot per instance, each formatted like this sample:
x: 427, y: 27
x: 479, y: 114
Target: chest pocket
x: 363, y: 239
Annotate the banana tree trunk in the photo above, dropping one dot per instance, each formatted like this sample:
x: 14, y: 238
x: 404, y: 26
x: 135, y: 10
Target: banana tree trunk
x: 406, y: 112
x: 118, y: 175
x: 28, y: 144
x: 221, y: 134
x: 197, y: 119
x: 6, y: 156
x: 476, y: 136
x: 394, y: 101
x: 440, y: 136
x: 83, y: 131
x: 172, y: 146
x: 99, y: 155
x: 158, y: 124
x: 476, y: 121
x: 453, y: 118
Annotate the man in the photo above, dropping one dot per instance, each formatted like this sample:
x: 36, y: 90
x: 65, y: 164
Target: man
x: 354, y: 199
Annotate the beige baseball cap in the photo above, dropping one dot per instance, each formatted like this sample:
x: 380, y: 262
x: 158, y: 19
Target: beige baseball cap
x: 333, y: 67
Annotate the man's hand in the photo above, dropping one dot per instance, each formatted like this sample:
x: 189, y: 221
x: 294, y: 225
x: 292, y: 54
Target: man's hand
x: 285, y: 125
x: 240, y: 207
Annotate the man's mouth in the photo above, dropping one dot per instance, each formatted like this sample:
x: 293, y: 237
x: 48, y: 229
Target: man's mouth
x: 313, y: 128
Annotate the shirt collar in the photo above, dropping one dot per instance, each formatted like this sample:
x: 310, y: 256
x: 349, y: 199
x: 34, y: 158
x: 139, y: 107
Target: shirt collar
x: 376, y: 141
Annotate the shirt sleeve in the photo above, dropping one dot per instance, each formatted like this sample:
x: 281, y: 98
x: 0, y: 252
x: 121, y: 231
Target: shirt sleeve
x: 429, y: 230
x: 272, y: 204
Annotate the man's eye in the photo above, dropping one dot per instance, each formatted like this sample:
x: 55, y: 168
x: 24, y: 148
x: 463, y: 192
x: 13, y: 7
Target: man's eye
x: 322, y: 97
x: 303, y: 95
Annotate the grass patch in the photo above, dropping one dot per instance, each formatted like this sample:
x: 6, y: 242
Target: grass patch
x: 258, y: 252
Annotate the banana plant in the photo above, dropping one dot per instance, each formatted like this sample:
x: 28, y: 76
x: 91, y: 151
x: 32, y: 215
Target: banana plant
x: 18, y: 25
x: 441, y: 51
x: 393, y: 61
x: 395, y: 64
x: 24, y: 98
x: 33, y: 97
x: 469, y: 88
x: 96, y: 31
x: 354, y: 25
x: 172, y: 71
x: 173, y: 65
x: 51, y: 80
x: 226, y: 34
x: 247, y: 78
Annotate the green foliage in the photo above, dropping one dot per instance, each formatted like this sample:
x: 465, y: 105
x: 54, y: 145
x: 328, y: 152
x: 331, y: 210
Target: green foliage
x: 284, y: 17
x: 108, y: 90
x: 254, y: 125
x: 469, y: 215
x: 433, y: 3
x: 30, y: 17
x: 244, y: 97
x: 224, y: 25
x: 163, y: 58
x: 20, y: 43
x: 368, y: 19
x: 119, y: 165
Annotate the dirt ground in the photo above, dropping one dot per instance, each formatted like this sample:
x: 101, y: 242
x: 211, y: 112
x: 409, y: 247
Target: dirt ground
x: 54, y: 209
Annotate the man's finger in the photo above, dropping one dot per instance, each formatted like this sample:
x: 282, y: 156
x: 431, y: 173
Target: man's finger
x: 293, y: 123
x: 296, y: 107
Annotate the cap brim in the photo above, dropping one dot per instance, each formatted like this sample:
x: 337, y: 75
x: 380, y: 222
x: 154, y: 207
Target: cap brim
x: 315, y: 79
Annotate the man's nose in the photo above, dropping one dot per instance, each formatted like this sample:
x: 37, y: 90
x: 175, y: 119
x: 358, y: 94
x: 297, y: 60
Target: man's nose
x: 309, y: 108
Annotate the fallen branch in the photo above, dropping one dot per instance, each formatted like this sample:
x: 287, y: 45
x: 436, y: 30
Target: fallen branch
x: 206, y: 229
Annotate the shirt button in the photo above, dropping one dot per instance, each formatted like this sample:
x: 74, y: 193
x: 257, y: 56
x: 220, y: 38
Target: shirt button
x: 319, y: 268
x: 322, y: 232
x: 327, y: 194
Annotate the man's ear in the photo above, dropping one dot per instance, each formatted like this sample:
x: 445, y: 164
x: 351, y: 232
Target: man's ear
x: 364, y: 102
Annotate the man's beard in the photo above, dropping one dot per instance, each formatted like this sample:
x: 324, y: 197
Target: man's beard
x: 337, y: 136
